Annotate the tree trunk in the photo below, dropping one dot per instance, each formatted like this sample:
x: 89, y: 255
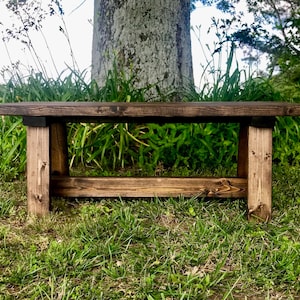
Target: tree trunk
x: 149, y: 39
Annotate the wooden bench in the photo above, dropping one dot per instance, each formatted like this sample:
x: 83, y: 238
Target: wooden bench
x: 47, y: 163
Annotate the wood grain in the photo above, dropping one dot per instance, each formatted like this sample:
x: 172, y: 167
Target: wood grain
x: 38, y: 170
x: 242, y: 166
x: 260, y: 173
x: 151, y: 110
x: 59, y: 149
x: 148, y: 187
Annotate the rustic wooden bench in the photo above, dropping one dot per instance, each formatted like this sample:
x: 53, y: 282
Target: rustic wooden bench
x: 47, y: 163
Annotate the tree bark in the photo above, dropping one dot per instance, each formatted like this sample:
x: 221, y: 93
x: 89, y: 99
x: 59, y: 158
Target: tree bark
x: 149, y: 39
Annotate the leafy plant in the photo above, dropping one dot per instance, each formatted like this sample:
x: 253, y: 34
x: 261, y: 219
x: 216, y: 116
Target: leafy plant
x: 12, y: 147
x: 234, y: 84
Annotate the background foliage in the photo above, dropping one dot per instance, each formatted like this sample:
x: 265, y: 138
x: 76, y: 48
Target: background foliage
x: 145, y: 148
x: 275, y: 28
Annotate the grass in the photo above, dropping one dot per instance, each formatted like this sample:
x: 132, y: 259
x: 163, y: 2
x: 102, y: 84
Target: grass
x: 151, y: 249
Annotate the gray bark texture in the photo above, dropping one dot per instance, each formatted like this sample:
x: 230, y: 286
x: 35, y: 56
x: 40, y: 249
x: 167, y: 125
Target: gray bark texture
x: 147, y: 38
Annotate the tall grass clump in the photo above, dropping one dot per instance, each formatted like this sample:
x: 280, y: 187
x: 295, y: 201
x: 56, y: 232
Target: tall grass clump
x: 34, y: 88
x: 69, y: 86
x: 233, y: 83
x: 12, y: 147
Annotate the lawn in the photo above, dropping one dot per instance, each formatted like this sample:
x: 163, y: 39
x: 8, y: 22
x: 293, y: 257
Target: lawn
x: 148, y: 248
x: 151, y: 248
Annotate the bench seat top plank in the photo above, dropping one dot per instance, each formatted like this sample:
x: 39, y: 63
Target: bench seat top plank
x: 150, y: 110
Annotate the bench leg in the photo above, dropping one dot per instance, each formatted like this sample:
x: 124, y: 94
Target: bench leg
x: 38, y: 170
x: 59, y: 149
x: 259, y: 173
x: 242, y: 167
